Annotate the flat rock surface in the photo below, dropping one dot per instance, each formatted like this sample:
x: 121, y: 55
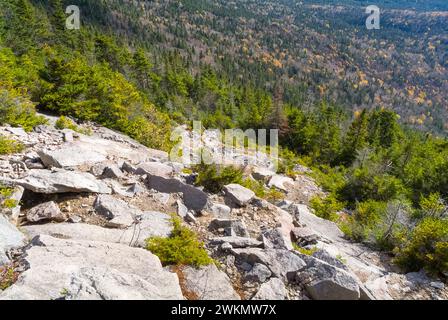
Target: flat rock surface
x: 80, y: 269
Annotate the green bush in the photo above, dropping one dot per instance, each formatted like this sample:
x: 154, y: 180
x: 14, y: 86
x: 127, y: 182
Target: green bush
x: 67, y: 123
x: 16, y: 110
x: 326, y: 208
x: 7, y: 277
x: 426, y: 248
x: 359, y: 226
x: 181, y: 248
x: 9, y: 146
x: 213, y: 177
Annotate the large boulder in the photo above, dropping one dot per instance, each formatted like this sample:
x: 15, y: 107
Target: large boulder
x: 47, y: 211
x: 193, y: 198
x: 208, y: 283
x: 62, y: 181
x: 323, y: 281
x: 10, y: 238
x: 70, y: 156
x: 274, y: 289
x: 152, y: 224
x: 58, y: 269
x: 238, y: 194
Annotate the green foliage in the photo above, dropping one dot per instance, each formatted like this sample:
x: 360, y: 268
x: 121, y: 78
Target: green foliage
x: 427, y: 247
x: 9, y: 146
x: 308, y: 252
x: 8, y: 276
x: 433, y: 206
x: 213, y: 177
x: 359, y: 226
x: 327, y: 207
x: 181, y: 248
x: 66, y: 123
x: 10, y: 203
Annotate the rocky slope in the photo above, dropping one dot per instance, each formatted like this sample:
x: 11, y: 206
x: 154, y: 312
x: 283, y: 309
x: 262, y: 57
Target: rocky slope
x: 87, y: 204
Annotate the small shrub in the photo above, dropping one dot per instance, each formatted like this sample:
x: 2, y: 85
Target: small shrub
x: 17, y: 110
x: 10, y: 203
x: 308, y: 252
x: 359, y: 226
x: 326, y: 208
x: 426, y: 248
x: 6, y: 192
x: 9, y: 146
x: 66, y: 123
x: 8, y: 276
x: 213, y: 177
x: 181, y: 248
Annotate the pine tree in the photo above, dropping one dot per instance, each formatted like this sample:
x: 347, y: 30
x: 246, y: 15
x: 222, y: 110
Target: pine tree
x: 356, y: 138
x: 278, y: 119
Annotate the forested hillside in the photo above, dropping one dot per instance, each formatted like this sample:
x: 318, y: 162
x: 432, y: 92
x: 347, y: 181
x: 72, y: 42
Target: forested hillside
x: 341, y: 96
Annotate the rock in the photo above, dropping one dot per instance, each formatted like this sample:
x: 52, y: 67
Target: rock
x: 281, y: 182
x: 151, y: 224
x: 282, y: 263
x: 304, y: 236
x: 113, y: 172
x: 208, y: 283
x: 98, y: 169
x: 129, y: 168
x: 262, y: 174
x: 182, y: 210
x: 161, y: 197
x: 285, y: 205
x: 136, y: 189
x: 237, y: 242
x: 323, y: 255
x: 34, y: 164
x: 70, y: 156
x: 238, y: 194
x: 62, y: 181
x: 190, y: 217
x: 10, y: 238
x: 220, y: 211
x: 326, y: 282
x: 231, y: 227
x: 276, y: 239
x: 226, y: 247
x: 274, y: 289
x: 19, y: 132
x: 437, y: 284
x: 75, y: 219
x: 193, y: 198
x: 118, y: 188
x: 119, y: 213
x: 259, y: 273
x: 47, y: 211
x: 154, y: 169
x: 68, y: 135
x: 90, y: 270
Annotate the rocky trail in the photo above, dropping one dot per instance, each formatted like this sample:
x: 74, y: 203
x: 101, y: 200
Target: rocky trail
x: 88, y: 203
